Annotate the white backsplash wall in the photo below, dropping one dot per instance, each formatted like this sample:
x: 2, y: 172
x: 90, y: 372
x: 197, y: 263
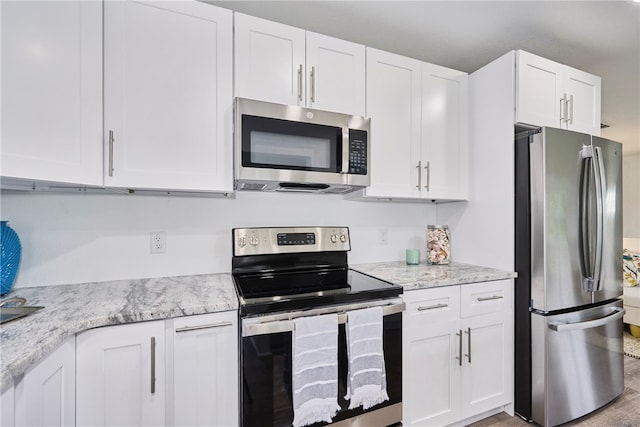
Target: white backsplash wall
x: 78, y: 238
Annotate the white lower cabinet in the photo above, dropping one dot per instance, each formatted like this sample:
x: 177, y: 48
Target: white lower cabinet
x: 457, y: 352
x: 175, y: 372
x: 46, y: 394
x: 120, y: 375
x: 203, y: 375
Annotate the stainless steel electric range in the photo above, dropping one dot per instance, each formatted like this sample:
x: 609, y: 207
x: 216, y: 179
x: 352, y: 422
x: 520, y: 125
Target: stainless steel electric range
x: 288, y: 272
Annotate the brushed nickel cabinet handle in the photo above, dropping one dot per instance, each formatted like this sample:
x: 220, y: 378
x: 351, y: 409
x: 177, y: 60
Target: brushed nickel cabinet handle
x: 459, y: 357
x: 468, y: 332
x: 209, y: 326
x: 570, y: 110
x: 490, y: 298
x: 563, y: 109
x: 419, y: 167
x: 300, y: 82
x: 153, y: 365
x: 432, y: 307
x: 313, y: 84
x: 111, y: 139
x: 428, y: 168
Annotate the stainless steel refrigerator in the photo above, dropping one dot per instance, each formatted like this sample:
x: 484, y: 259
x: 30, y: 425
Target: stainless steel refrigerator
x: 568, y: 255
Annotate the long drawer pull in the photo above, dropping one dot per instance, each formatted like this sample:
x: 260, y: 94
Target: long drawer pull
x: 197, y: 328
x: 432, y: 307
x: 490, y: 298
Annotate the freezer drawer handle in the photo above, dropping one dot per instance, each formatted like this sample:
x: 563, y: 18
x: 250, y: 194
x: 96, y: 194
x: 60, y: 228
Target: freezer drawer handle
x: 615, y: 314
x: 490, y: 298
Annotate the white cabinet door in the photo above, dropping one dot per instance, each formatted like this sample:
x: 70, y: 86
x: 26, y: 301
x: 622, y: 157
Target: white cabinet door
x: 46, y: 394
x: 556, y: 95
x: 487, y: 325
x: 120, y: 375
x: 205, y: 370
x: 335, y: 74
x: 431, y: 347
x: 269, y: 61
x: 457, y: 352
x: 393, y: 103
x: 444, y: 133
x: 484, y: 382
x: 7, y: 405
x: 539, y: 90
x: 584, y: 91
x: 168, y: 96
x: 51, y: 120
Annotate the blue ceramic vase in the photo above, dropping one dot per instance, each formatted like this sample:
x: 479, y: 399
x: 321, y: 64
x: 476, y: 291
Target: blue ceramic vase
x: 10, y: 253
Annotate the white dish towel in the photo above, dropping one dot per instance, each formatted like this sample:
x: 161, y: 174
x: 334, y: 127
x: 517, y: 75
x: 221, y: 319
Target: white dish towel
x: 366, y: 378
x: 315, y: 369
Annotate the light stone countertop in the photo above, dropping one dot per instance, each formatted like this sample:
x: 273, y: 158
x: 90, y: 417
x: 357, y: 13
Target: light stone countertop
x: 70, y: 309
x: 423, y: 276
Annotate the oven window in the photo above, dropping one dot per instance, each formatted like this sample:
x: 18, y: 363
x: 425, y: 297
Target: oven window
x: 283, y: 144
x: 266, y: 397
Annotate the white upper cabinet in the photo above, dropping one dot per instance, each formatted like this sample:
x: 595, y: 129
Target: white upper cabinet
x: 444, y: 158
x: 269, y: 60
x: 51, y: 121
x: 287, y: 65
x: 393, y: 103
x: 418, y: 129
x: 168, y: 96
x: 556, y: 95
x: 335, y: 74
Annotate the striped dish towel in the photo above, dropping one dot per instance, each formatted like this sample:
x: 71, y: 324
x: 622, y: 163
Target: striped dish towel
x: 366, y: 380
x: 315, y: 369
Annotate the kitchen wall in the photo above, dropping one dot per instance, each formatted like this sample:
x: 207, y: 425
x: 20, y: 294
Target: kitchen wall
x: 631, y: 196
x: 78, y: 238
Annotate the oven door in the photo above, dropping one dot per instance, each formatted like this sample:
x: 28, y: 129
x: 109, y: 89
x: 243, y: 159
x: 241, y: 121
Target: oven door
x: 266, y: 359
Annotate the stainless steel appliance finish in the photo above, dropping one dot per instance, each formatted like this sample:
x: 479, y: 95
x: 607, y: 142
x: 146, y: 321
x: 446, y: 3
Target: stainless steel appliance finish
x: 576, y: 200
x: 568, y: 315
x: 274, y: 240
x: 305, y: 150
x: 284, y: 273
x: 578, y: 361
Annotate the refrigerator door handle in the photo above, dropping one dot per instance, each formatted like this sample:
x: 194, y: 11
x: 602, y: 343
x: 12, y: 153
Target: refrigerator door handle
x: 600, y: 187
x: 592, y: 172
x: 615, y: 314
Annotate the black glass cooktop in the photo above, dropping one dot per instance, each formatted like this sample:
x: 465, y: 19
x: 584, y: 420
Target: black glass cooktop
x: 269, y: 292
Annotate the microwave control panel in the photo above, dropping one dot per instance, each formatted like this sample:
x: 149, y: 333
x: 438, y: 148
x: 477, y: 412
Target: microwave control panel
x: 357, y: 152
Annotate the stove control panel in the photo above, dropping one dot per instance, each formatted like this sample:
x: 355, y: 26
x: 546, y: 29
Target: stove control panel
x: 278, y: 240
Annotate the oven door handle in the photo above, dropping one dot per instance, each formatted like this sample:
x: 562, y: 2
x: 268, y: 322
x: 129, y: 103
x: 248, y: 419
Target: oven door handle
x: 288, y: 325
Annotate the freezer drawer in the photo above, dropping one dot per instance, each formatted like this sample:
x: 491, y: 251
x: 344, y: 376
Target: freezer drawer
x: 577, y: 362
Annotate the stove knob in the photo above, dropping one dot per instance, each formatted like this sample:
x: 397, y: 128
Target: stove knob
x: 253, y: 240
x: 242, y: 242
x: 343, y: 238
x: 334, y: 238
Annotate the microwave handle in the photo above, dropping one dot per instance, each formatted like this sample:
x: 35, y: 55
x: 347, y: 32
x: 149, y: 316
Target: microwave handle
x: 345, y: 150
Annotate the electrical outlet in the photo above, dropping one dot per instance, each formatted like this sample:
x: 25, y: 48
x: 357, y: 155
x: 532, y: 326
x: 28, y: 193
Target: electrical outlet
x: 158, y: 242
x: 383, y: 236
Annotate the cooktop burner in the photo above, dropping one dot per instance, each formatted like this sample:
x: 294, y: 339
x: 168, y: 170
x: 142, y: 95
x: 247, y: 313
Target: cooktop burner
x: 298, y: 268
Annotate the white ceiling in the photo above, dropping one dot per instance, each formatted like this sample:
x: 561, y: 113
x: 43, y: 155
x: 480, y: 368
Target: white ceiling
x: 600, y: 37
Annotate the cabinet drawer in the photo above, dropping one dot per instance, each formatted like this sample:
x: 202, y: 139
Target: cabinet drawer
x: 483, y: 298
x: 437, y: 304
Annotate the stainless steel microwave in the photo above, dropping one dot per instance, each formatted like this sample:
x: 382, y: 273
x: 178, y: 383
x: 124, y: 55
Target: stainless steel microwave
x: 289, y: 148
